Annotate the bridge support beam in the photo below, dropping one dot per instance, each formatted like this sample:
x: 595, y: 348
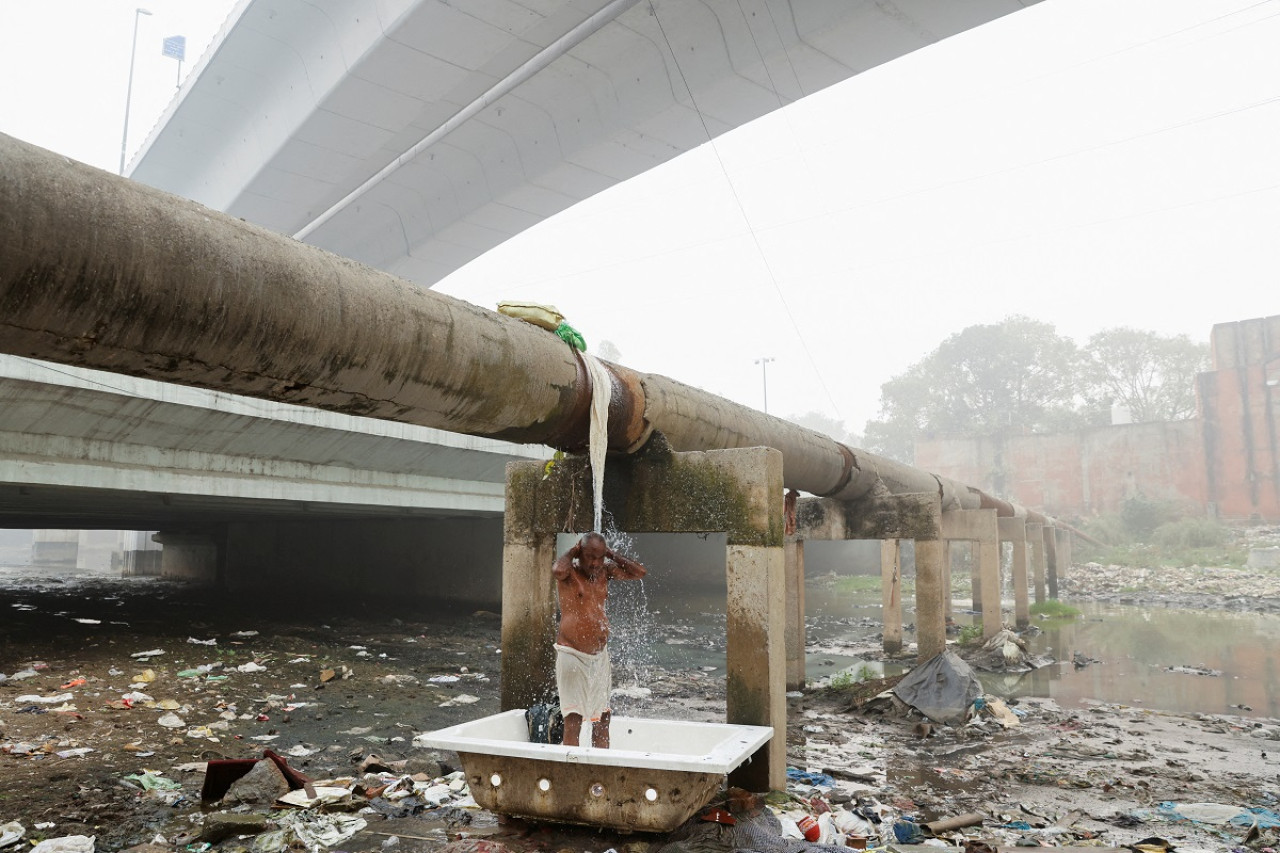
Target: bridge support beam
x: 737, y: 492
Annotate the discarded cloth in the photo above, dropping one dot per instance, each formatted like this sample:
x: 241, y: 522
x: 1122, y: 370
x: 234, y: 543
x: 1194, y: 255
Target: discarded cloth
x: 822, y: 780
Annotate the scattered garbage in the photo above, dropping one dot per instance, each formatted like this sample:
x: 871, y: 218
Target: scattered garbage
x: 66, y: 844
x: 950, y: 784
x: 150, y: 781
x: 43, y: 700
x: 1005, y: 651
x: 308, y: 829
x: 1195, y: 670
x: 11, y: 833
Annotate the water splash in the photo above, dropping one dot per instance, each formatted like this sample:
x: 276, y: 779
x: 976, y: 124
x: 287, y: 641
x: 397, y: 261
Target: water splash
x: 632, y: 626
x: 601, y: 390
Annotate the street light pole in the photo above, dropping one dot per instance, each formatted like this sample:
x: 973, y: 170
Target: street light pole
x: 128, y: 95
x: 764, y: 378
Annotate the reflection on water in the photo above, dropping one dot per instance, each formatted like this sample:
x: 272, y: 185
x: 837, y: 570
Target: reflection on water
x: 1135, y: 647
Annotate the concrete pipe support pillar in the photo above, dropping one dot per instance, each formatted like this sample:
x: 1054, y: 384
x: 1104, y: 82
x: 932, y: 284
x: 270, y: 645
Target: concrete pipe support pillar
x: 1064, y: 552
x: 931, y: 619
x: 1051, y: 559
x: 794, y: 561
x: 1014, y: 530
x: 528, y: 619
x: 891, y: 594
x: 948, y: 600
x: 980, y: 526
x: 1035, y: 554
x: 735, y: 492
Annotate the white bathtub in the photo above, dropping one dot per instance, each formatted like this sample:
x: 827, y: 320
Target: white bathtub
x: 656, y: 774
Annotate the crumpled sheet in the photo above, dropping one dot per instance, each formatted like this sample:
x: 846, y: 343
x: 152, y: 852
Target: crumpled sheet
x: 1219, y: 814
x: 942, y: 688
x: 313, y: 830
x: 753, y: 833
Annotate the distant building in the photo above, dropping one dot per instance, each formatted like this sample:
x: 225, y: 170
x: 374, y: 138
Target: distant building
x: 1224, y: 463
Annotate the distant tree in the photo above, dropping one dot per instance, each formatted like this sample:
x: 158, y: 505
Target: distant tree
x: 827, y: 425
x: 608, y: 351
x: 1153, y: 376
x: 995, y: 380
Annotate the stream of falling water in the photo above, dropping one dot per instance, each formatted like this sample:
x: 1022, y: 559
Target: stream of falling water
x: 631, y: 621
x: 601, y: 389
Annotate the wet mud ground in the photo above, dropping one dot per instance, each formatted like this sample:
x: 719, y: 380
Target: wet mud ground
x: 1089, y: 775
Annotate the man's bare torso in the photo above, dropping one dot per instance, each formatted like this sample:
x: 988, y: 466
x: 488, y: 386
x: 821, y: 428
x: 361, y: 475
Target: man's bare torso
x: 584, y: 623
x: 582, y: 581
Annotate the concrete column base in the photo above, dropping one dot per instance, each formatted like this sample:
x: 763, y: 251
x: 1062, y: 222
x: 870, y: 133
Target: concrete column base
x: 141, y: 564
x: 192, y: 556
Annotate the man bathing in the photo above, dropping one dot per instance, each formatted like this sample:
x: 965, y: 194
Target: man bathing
x: 583, y: 674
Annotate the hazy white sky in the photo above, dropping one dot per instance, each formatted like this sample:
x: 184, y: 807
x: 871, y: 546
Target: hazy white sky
x: 1085, y: 162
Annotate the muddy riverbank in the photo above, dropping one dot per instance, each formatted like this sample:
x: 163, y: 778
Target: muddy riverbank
x: 326, y: 684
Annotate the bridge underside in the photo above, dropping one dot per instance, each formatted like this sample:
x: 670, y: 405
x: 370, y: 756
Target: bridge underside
x: 79, y: 508
x: 497, y: 115
x: 86, y: 449
x: 250, y: 493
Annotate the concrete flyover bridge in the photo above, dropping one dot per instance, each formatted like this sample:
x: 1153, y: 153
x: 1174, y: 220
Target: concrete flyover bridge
x: 414, y: 135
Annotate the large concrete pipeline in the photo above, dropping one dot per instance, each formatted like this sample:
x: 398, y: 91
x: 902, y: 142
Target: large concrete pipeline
x: 105, y: 273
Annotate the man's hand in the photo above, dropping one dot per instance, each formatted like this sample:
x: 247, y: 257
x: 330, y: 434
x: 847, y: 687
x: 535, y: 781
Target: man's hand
x: 627, y: 568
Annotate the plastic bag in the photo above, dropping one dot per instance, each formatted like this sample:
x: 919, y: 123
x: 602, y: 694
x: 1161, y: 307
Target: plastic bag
x: 545, y: 316
x: 571, y: 336
x: 546, y: 723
